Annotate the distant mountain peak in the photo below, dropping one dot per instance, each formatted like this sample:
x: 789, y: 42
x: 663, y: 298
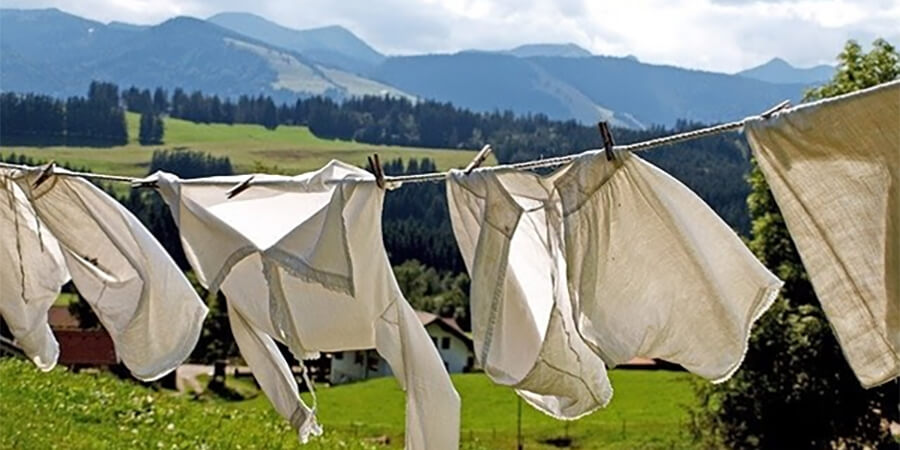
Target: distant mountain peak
x: 777, y: 62
x: 568, y: 50
x: 182, y: 20
x: 331, y: 29
x: 777, y: 70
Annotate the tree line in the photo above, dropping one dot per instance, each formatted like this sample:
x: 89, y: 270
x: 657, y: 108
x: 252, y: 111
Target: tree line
x: 200, y: 108
x: 33, y: 119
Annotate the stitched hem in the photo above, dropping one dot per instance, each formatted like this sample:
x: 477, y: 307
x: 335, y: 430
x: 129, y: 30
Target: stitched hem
x: 765, y: 299
x: 559, y: 417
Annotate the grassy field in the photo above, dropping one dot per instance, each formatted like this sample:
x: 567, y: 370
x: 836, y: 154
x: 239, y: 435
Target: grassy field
x: 98, y: 411
x: 648, y: 411
x: 292, y: 149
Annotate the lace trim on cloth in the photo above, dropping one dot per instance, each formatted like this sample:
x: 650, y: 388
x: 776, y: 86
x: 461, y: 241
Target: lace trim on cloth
x: 496, y: 301
x: 306, y: 424
x: 280, y: 314
x: 305, y: 420
x: 229, y: 263
x: 299, y: 268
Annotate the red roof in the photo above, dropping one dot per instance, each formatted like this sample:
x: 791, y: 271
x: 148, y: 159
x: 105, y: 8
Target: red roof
x: 61, y: 318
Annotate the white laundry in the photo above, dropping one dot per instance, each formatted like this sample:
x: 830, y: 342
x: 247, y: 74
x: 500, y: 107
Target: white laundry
x: 507, y: 227
x: 149, y: 308
x: 31, y: 275
x: 654, y: 272
x: 301, y: 261
x: 834, y: 169
x: 645, y: 267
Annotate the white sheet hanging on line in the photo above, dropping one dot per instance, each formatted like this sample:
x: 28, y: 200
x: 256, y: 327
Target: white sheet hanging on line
x: 646, y: 266
x: 834, y: 169
x: 506, y: 225
x: 149, y: 308
x: 301, y: 260
x: 31, y: 274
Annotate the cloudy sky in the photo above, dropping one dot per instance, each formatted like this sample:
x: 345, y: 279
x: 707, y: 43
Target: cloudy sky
x: 720, y: 35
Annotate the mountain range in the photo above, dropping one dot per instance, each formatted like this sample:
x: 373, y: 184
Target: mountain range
x: 53, y: 52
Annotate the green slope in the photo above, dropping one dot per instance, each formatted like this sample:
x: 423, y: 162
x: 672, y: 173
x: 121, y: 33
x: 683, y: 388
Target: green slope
x: 292, y: 149
x: 38, y: 410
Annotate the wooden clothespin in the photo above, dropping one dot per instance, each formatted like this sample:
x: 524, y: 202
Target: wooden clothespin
x: 240, y: 187
x: 46, y: 171
x: 479, y: 158
x: 608, y: 142
x: 139, y: 184
x: 771, y: 111
x: 375, y: 168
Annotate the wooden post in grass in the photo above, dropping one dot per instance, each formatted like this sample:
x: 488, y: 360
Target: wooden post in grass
x: 519, y: 432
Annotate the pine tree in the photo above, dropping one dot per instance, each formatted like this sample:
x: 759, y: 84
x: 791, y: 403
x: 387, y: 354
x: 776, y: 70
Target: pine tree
x: 795, y: 389
x: 269, y: 114
x: 160, y: 101
x: 151, y: 129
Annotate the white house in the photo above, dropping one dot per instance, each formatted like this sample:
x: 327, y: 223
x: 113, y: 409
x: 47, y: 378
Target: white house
x: 454, y: 346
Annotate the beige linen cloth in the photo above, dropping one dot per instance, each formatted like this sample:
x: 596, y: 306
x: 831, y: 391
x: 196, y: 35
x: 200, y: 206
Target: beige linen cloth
x: 600, y: 262
x: 834, y: 169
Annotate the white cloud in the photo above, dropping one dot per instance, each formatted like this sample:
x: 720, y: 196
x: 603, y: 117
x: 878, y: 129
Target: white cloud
x: 721, y: 35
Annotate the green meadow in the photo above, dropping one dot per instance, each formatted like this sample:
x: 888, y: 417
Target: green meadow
x: 80, y: 411
x: 290, y: 149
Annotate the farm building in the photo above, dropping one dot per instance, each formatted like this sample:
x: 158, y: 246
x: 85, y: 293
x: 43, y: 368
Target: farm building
x: 454, y: 346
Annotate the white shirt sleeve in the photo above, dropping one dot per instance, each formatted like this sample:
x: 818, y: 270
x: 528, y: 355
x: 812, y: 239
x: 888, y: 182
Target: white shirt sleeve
x: 432, y: 405
x: 141, y: 297
x: 31, y: 275
x: 273, y: 375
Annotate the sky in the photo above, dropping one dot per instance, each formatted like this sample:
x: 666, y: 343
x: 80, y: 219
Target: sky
x: 718, y: 35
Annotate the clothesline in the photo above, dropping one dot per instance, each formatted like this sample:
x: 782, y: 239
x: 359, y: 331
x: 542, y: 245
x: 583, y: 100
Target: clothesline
x: 440, y: 176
